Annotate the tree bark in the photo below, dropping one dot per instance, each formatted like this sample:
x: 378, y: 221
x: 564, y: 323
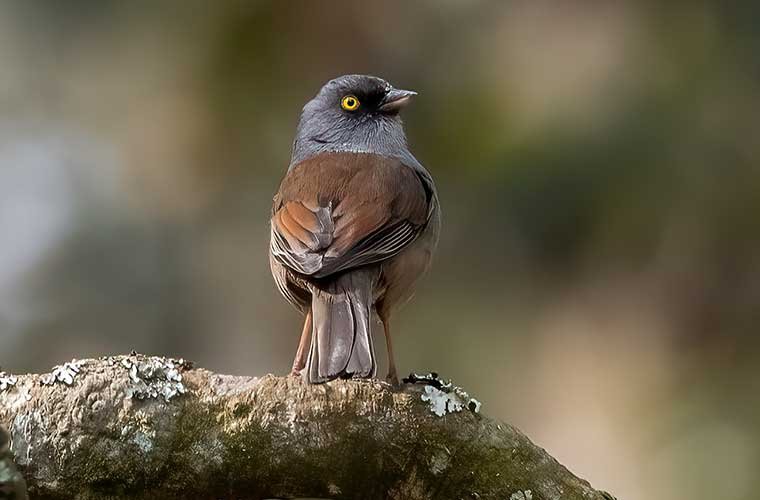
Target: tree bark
x: 12, y: 484
x: 137, y: 427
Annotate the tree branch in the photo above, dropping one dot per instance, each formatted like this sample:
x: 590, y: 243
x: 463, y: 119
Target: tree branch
x: 138, y: 427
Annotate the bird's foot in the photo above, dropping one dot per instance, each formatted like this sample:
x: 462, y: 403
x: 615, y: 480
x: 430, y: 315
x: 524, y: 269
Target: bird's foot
x: 392, y: 379
x: 296, y: 371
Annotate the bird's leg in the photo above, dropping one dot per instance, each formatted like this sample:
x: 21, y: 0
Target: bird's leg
x: 392, y: 377
x: 300, y: 360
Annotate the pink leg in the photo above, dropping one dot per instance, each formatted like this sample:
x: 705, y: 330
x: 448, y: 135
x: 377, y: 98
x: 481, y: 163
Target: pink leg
x: 300, y: 360
x: 392, y: 377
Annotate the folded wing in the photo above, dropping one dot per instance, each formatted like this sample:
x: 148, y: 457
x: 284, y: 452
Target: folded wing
x: 339, y: 211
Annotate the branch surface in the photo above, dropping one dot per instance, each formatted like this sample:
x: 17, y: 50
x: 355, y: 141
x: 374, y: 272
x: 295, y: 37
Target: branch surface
x: 142, y: 427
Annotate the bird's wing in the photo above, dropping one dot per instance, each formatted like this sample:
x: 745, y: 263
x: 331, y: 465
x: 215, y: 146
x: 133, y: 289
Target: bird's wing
x: 339, y: 211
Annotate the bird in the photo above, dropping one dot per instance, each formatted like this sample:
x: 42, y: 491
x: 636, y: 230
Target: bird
x: 354, y: 225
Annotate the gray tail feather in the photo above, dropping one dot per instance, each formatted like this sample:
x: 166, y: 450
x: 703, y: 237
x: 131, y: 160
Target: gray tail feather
x: 341, y: 340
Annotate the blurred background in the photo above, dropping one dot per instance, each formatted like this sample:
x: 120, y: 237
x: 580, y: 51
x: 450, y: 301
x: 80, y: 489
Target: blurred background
x: 598, y: 279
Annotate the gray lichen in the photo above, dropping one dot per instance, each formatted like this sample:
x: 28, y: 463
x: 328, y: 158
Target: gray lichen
x: 65, y: 373
x: 152, y: 377
x: 7, y: 381
x: 522, y: 495
x: 440, y: 461
x: 12, y: 485
x: 7, y: 474
x: 443, y: 396
x: 441, y: 402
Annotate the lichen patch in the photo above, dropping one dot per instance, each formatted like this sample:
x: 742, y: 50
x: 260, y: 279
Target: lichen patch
x: 334, y: 489
x: 440, y: 461
x: 442, y: 395
x: 7, y: 381
x: 64, y: 374
x: 522, y: 495
x: 152, y: 377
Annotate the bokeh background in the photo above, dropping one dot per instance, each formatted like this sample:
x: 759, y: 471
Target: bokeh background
x: 598, y: 278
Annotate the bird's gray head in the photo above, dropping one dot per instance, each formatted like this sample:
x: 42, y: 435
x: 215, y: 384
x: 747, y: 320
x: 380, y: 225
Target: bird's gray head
x: 354, y: 113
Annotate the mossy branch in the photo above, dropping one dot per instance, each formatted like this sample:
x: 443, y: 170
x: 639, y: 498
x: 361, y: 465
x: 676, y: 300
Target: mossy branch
x: 138, y: 427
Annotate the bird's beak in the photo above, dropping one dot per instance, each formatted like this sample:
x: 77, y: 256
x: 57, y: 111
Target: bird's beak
x: 395, y: 100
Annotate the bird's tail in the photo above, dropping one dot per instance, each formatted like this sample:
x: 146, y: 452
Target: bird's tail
x: 341, y: 341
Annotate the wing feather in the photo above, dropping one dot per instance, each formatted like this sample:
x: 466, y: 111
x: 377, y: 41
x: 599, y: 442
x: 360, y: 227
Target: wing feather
x: 339, y: 211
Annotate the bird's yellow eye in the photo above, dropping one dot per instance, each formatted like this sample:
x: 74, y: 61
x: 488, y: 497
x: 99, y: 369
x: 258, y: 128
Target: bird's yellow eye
x: 349, y: 103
